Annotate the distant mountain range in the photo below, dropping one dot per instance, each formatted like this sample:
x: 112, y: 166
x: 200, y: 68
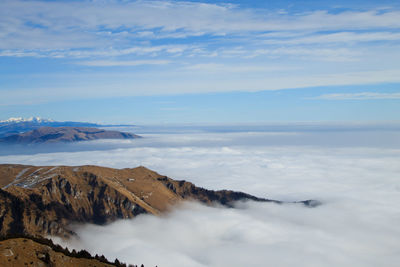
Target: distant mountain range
x: 20, y: 125
x: 31, y: 119
x: 64, y: 134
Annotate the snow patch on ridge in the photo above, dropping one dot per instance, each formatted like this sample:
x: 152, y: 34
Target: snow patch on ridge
x: 17, y: 178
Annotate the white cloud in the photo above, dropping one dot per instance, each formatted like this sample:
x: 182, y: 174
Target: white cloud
x: 170, y: 82
x: 309, y: 53
x: 226, y: 68
x: 357, y: 181
x: 103, y: 53
x: 61, y: 25
x: 360, y: 96
x: 325, y: 48
x: 254, y: 235
x: 112, y: 63
x: 339, y: 37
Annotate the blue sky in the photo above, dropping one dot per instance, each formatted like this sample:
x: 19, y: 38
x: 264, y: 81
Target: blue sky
x: 200, y: 61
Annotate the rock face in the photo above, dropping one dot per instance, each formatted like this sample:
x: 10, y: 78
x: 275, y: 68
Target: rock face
x: 44, y: 200
x: 64, y: 134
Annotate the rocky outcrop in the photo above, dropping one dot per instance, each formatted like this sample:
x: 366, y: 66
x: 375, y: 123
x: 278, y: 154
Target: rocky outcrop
x: 187, y: 190
x: 39, y: 205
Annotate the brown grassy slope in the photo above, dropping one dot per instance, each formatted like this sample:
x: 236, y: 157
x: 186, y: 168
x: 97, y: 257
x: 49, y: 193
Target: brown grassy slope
x: 26, y: 252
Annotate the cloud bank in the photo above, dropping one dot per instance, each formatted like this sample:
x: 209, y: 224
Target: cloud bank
x: 356, y: 225
x: 252, y: 235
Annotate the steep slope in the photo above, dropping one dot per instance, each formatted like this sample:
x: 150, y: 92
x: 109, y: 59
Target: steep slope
x: 45, y: 200
x: 64, y: 134
x: 40, y: 252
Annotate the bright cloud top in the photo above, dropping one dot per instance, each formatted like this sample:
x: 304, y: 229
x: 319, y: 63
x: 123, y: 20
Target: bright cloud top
x: 253, y: 235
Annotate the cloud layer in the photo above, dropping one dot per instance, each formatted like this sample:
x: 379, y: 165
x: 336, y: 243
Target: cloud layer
x: 253, y: 235
x: 356, y: 225
x: 66, y: 25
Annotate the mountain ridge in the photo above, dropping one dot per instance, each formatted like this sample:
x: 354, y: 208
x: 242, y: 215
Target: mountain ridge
x: 45, y: 200
x: 20, y: 125
x: 64, y: 134
x: 21, y: 119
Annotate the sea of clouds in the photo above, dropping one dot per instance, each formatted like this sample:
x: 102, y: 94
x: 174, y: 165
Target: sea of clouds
x: 356, y: 175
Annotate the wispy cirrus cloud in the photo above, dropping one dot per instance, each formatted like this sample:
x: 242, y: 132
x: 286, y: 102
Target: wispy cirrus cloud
x: 270, y: 48
x: 139, y: 50
x: 114, y: 63
x: 338, y: 37
x: 308, y: 53
x: 196, y: 80
x: 359, y: 96
x: 67, y: 25
x: 224, y: 68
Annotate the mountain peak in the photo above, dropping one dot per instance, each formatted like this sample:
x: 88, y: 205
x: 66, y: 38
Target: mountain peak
x: 17, y: 125
x: 21, y: 119
x: 64, y: 134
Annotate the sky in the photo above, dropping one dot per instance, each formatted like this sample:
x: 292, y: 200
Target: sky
x: 356, y: 182
x: 155, y: 62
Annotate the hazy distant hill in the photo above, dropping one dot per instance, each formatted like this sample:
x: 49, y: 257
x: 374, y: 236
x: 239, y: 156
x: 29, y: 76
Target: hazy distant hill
x: 20, y: 125
x: 64, y: 134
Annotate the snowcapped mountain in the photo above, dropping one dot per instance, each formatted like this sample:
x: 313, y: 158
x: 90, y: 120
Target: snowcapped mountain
x: 20, y: 119
x: 51, y: 135
x: 20, y: 125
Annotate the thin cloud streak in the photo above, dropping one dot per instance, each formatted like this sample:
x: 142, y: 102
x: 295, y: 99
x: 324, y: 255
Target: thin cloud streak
x: 340, y: 37
x: 103, y: 52
x: 167, y: 83
x: 226, y: 68
x: 114, y: 63
x: 359, y: 96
